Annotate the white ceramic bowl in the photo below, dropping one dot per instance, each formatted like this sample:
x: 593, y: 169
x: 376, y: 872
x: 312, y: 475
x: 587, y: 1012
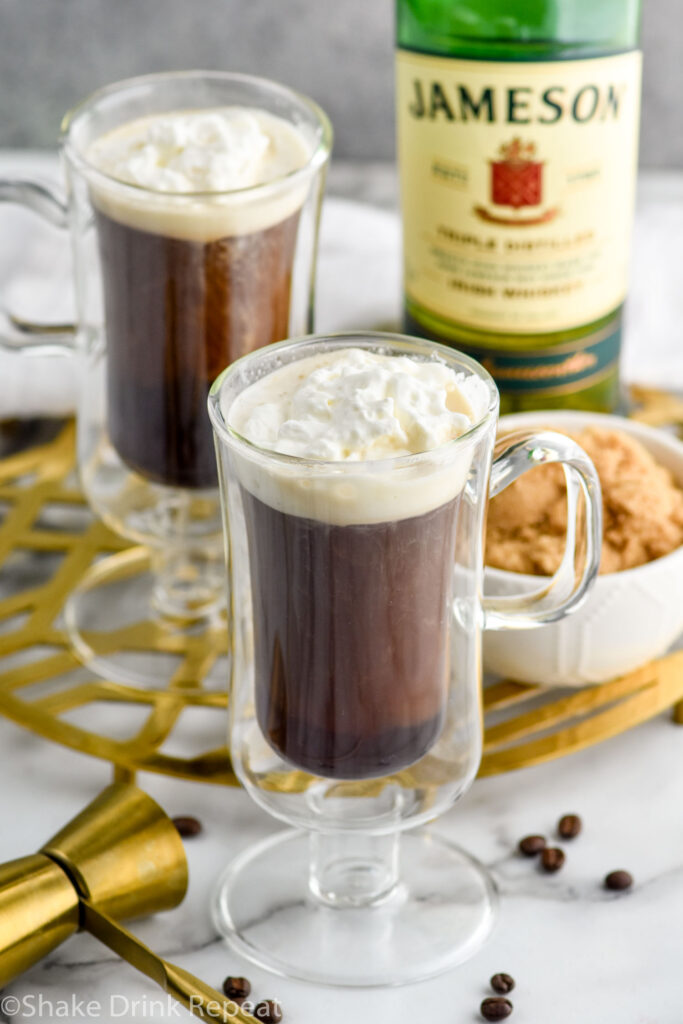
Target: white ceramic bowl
x: 627, y: 619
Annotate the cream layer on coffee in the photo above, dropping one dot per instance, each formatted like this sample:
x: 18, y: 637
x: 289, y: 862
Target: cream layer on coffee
x: 200, y: 175
x: 354, y: 408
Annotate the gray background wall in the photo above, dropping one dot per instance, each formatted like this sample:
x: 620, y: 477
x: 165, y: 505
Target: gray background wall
x: 54, y: 52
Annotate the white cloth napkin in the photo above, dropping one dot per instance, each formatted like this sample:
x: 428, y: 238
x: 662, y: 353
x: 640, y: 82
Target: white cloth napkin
x: 39, y: 386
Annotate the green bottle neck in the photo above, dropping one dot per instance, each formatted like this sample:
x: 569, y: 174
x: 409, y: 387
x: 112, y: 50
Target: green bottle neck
x: 518, y: 30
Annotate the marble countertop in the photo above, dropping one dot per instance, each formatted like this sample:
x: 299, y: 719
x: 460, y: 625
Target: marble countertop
x: 577, y: 952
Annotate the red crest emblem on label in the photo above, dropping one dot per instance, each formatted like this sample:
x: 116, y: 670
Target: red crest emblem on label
x: 516, y: 177
x: 516, y: 182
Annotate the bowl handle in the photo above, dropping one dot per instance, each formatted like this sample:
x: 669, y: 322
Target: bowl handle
x: 570, y: 585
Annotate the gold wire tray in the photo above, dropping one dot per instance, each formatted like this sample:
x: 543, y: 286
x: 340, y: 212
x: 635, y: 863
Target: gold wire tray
x: 49, y: 538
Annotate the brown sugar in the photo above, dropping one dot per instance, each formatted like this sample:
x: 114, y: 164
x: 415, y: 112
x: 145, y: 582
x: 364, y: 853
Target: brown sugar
x: 642, y: 510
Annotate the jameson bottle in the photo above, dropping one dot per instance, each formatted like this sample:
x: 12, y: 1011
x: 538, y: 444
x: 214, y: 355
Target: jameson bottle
x: 517, y: 141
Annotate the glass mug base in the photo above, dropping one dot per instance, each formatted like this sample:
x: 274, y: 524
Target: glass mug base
x: 435, y: 913
x: 126, y: 626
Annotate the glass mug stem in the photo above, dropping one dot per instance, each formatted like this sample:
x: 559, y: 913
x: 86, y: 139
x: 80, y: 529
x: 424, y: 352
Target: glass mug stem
x: 189, y: 582
x: 353, y: 869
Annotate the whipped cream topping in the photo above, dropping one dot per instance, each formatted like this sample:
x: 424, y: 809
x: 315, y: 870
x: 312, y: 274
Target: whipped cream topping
x: 355, y: 407
x: 193, y: 164
x: 214, y: 150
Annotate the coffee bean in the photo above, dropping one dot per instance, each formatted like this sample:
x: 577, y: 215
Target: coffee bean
x: 618, y: 881
x: 496, y: 1008
x: 569, y: 826
x: 531, y: 845
x: 552, y: 859
x: 503, y: 983
x: 268, y: 1012
x: 187, y: 826
x: 237, y: 989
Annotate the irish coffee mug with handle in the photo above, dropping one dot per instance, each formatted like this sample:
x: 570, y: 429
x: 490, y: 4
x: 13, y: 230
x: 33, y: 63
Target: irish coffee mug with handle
x: 193, y: 205
x: 356, y: 614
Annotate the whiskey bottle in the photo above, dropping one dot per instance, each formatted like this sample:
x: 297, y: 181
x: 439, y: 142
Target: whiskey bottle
x: 517, y: 144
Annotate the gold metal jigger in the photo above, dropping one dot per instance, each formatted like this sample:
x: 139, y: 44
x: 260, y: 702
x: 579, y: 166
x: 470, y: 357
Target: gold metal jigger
x: 120, y: 857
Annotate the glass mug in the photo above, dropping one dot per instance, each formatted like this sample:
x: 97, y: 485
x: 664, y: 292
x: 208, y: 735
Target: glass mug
x: 355, y: 709
x: 170, y: 287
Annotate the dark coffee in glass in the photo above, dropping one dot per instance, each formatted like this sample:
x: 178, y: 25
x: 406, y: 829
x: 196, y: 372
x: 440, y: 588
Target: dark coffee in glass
x: 351, y: 627
x: 351, y: 544
x: 197, y: 252
x: 177, y: 312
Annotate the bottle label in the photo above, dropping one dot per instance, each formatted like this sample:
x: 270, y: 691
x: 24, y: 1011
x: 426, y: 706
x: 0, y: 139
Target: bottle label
x: 517, y: 186
x: 560, y: 370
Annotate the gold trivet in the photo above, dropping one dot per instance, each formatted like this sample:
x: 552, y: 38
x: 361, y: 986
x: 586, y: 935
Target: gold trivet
x: 656, y: 408
x: 42, y: 684
x: 41, y: 681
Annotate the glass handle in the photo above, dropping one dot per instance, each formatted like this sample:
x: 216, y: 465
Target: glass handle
x: 26, y: 335
x: 569, y: 586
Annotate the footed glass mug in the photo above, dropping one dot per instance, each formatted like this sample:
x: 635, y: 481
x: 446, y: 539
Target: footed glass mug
x: 171, y: 284
x: 355, y: 615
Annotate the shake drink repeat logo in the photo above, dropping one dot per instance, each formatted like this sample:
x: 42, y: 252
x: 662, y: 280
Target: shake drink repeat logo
x: 72, y: 1007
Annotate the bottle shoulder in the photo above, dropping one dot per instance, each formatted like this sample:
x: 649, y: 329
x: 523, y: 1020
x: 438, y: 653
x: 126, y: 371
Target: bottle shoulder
x: 518, y: 30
